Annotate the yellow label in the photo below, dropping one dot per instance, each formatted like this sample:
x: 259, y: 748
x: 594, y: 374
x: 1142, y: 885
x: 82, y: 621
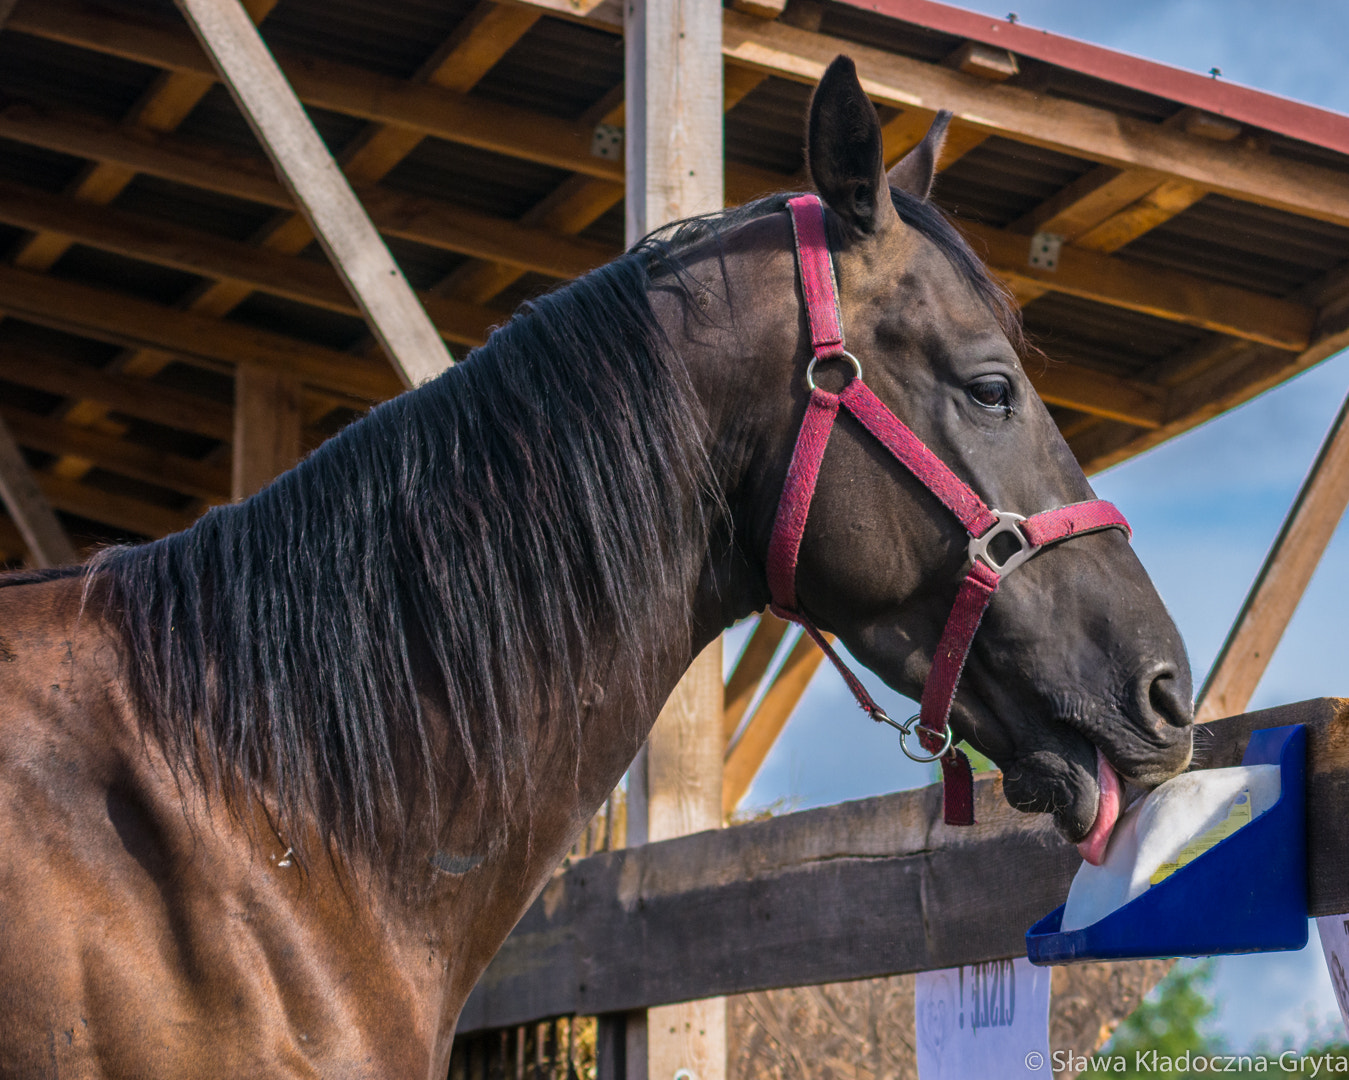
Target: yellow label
x: 1238, y: 814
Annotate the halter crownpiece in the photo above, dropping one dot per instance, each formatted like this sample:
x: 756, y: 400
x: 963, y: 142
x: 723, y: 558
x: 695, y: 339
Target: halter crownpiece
x: 1028, y: 535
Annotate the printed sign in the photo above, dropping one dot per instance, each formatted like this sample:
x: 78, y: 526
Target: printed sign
x: 983, y: 1020
x: 1334, y: 931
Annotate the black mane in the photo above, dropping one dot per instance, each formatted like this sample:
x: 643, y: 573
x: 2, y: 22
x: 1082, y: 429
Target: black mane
x: 466, y: 538
x: 463, y: 540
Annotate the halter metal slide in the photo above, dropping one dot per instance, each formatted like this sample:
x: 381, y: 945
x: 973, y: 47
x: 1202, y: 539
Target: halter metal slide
x: 907, y: 728
x: 844, y: 355
x: 1010, y: 525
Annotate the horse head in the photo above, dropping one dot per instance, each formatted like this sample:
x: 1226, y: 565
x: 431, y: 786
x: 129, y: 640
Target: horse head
x: 1077, y: 676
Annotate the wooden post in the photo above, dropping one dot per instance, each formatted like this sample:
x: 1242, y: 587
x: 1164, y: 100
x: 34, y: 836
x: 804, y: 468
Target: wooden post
x: 673, y: 141
x: 266, y: 427
x: 673, y: 145
x: 42, y: 533
x: 1282, y: 580
x: 318, y: 187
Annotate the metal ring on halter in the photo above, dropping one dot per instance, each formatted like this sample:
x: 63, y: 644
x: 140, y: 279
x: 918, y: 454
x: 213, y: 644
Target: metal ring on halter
x: 845, y: 354
x: 907, y: 729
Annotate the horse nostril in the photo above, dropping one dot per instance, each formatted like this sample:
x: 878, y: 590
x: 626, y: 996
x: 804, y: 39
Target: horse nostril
x: 1164, y: 698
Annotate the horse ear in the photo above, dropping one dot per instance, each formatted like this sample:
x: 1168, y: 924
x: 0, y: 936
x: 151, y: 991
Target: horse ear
x: 916, y: 170
x: 843, y: 151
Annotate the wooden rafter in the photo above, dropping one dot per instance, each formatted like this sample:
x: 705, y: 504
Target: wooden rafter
x: 1219, y: 376
x: 1152, y: 290
x: 323, y: 194
x: 125, y: 320
x: 750, y: 668
x: 1088, y: 201
x: 578, y: 202
x: 120, y: 393
x: 29, y: 508
x: 481, y: 38
x: 1057, y: 123
x: 119, y: 511
x: 434, y: 222
x: 1098, y: 394
x: 12, y: 544
x: 354, y: 91
x: 773, y: 48
x: 212, y: 256
x: 201, y: 479
x: 172, y: 98
x: 747, y: 754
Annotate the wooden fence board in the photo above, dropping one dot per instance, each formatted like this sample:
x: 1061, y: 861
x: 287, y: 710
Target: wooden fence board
x: 858, y: 890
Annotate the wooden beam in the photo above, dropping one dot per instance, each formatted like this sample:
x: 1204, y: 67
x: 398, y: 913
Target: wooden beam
x: 266, y: 428
x: 674, y: 168
x: 200, y: 479
x: 119, y: 511
x: 1097, y: 393
x: 745, y: 757
x: 481, y: 39
x: 750, y: 668
x: 1165, y: 294
x: 1222, y: 381
x: 1278, y: 587
x: 126, y: 320
x: 319, y: 188
x: 433, y: 222
x: 212, y: 256
x: 135, y: 397
x: 342, y: 88
x: 578, y: 202
x: 864, y: 889
x: 771, y: 47
x: 167, y: 105
x: 12, y: 545
x: 1069, y: 127
x: 30, y: 510
x: 1088, y: 201
x: 1158, y: 206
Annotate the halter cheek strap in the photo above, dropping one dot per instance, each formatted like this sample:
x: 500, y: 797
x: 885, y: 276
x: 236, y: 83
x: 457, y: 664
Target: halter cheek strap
x: 983, y: 524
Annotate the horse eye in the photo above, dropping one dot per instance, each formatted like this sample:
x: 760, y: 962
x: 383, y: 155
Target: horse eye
x: 991, y: 393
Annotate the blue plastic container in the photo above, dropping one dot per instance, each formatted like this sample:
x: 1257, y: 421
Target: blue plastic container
x: 1247, y: 893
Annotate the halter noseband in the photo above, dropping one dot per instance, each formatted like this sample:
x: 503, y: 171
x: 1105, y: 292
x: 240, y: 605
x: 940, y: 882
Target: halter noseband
x: 1030, y: 534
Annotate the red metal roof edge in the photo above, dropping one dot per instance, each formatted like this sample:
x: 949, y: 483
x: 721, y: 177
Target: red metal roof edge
x: 1294, y: 119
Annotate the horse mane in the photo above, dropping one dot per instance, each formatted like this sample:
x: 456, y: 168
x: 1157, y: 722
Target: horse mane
x: 466, y: 540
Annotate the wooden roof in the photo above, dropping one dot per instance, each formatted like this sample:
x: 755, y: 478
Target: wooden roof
x: 149, y: 248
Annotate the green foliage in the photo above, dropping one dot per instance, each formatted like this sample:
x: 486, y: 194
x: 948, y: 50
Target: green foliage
x: 978, y: 763
x: 1170, y: 1021
x: 1172, y: 1028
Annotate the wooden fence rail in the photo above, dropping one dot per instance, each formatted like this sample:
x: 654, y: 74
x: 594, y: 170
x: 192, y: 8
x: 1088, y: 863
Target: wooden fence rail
x: 858, y: 890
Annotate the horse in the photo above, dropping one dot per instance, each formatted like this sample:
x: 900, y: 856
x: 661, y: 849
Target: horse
x: 274, y: 789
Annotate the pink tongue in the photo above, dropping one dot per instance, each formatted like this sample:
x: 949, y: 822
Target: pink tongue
x: 1092, y: 847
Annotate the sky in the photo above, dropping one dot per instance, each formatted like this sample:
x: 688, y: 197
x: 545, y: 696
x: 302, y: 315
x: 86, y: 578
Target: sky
x: 1204, y: 507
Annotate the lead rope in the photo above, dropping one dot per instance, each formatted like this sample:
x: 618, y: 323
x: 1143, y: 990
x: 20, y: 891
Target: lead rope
x: 982, y: 523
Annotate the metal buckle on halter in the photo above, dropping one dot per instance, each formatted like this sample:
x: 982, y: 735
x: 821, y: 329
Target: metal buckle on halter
x: 841, y: 355
x: 1007, y: 524
x: 908, y: 728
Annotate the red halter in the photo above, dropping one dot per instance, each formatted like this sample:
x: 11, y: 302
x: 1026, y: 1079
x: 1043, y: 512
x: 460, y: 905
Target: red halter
x: 982, y: 523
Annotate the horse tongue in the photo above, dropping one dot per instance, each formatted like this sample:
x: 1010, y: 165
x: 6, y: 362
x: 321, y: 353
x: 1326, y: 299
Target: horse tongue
x: 1092, y: 846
